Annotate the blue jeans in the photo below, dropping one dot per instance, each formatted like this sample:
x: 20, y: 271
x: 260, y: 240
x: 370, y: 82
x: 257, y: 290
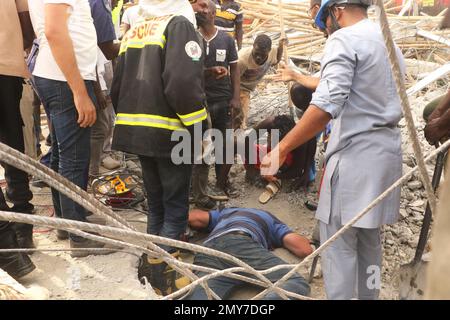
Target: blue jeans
x: 70, y: 143
x: 221, y: 120
x: 167, y: 186
x: 250, y: 252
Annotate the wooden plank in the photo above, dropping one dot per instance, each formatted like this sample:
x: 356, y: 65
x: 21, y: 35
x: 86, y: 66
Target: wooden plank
x: 434, y: 37
x: 432, y: 77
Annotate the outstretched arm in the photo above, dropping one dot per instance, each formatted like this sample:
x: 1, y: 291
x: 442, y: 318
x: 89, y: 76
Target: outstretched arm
x: 198, y: 219
x: 286, y: 74
x: 298, y: 245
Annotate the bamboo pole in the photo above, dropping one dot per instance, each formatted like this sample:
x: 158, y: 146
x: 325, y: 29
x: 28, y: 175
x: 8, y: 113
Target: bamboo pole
x: 286, y: 60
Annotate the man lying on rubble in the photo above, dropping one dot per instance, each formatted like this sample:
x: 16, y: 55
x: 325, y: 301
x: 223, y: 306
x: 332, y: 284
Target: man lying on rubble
x: 249, y: 235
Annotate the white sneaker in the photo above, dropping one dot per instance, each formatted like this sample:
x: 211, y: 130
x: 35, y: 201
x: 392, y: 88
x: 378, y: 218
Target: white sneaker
x: 110, y: 163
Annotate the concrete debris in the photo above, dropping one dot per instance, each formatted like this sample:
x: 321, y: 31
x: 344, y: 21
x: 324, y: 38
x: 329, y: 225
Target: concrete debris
x: 415, y: 185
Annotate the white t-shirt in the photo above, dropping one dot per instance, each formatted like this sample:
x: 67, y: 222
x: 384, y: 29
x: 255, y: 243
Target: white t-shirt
x: 82, y: 32
x: 101, y: 69
x: 131, y: 16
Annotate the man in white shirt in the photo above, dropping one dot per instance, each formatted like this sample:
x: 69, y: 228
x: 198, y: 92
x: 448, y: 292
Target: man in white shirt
x: 64, y: 75
x: 130, y: 17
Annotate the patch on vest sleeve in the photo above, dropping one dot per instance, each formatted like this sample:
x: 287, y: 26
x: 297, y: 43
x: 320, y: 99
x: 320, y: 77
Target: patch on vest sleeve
x: 193, y: 50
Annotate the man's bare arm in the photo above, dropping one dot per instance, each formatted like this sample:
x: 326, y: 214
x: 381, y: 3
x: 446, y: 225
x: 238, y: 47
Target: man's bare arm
x: 57, y: 34
x: 198, y: 219
x: 298, y: 245
x: 286, y: 74
x: 110, y: 49
x: 239, y: 34
x: 27, y: 29
x: 236, y: 85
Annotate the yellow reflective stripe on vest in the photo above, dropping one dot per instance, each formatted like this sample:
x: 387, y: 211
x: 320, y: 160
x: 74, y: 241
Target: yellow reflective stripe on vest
x: 149, y: 120
x: 143, y: 44
x: 193, y: 118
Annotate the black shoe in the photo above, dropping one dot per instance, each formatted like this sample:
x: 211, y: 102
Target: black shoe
x: 48, y: 140
x: 153, y: 270
x: 144, y: 268
x: 205, y: 204
x: 88, y: 244
x: 311, y: 205
x: 16, y: 264
x: 24, y: 234
x: 231, y: 191
x: 62, y: 235
x: 315, y: 238
x: 38, y: 183
x: 27, y: 208
x: 163, y: 278
x: 217, y: 194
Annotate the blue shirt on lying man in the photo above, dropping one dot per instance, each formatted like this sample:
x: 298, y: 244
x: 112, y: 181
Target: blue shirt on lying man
x: 262, y: 226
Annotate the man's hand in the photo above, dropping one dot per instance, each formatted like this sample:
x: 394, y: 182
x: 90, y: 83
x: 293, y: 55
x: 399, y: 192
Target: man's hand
x: 235, y: 104
x: 272, y: 162
x: 435, y: 130
x: 101, y: 100
x: 99, y: 95
x: 86, y: 110
x: 437, y: 113
x: 218, y: 72
x: 284, y: 73
x: 235, y: 109
x: 270, y: 178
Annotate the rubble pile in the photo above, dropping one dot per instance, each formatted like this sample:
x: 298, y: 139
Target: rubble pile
x: 417, y: 34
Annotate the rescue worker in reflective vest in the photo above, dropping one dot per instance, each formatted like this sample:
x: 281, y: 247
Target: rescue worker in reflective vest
x: 158, y: 90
